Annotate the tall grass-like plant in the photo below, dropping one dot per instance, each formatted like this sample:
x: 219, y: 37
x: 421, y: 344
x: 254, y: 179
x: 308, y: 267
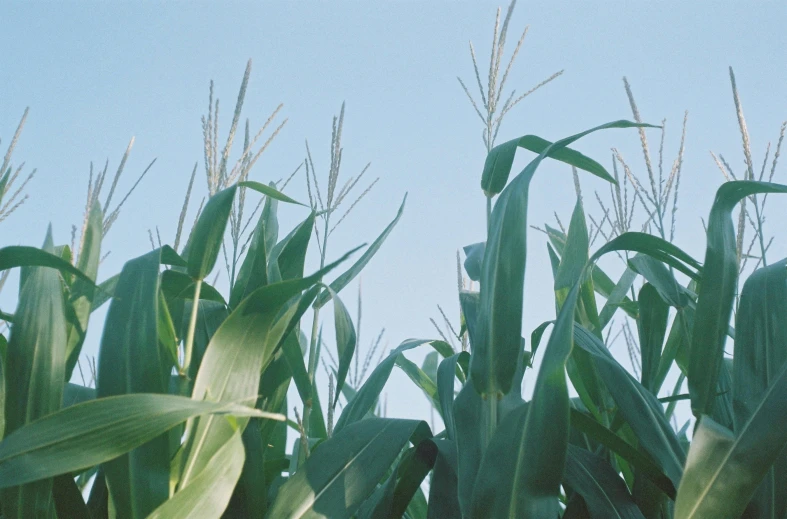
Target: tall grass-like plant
x: 189, y: 413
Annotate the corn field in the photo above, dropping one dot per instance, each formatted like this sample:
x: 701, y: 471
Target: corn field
x: 188, y: 410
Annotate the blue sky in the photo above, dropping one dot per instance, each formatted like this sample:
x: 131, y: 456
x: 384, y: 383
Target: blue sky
x: 96, y: 74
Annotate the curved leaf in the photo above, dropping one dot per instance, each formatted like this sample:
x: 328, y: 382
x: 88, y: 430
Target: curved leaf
x: 367, y: 396
x: 503, y: 275
x: 344, y: 470
x: 446, y: 377
x: 23, y: 256
x: 87, y: 434
x: 717, y: 293
x: 344, y: 279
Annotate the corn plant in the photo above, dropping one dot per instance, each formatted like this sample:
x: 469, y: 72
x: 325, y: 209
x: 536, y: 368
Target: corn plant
x: 189, y: 413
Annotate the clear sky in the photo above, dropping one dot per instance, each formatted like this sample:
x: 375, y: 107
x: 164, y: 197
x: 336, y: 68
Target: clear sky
x: 96, y: 74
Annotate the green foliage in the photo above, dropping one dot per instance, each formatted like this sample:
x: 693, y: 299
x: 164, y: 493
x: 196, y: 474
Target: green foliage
x: 190, y: 415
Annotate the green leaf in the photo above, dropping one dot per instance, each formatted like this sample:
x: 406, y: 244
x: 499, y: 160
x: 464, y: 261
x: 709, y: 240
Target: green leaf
x: 446, y: 377
x: 289, y: 255
x: 206, y: 238
x: 35, y: 371
x: 268, y: 191
x: 239, y: 352
x: 760, y: 352
x: 717, y: 293
x: 616, y: 297
x: 503, y: 275
x: 499, y: 161
x: 589, y: 426
x: 366, y: 397
x: 605, y: 494
x: 723, y: 470
x: 412, y: 473
x: 345, y: 341
x: 130, y: 360
x: 638, y: 407
x: 206, y: 497
x: 652, y: 327
x: 420, y: 379
x: 177, y: 285
x: 443, y: 499
x: 104, y: 293
x: 87, y: 434
x: 343, y: 280
x: 662, y: 280
x: 82, y: 293
x: 522, y: 469
x: 469, y: 421
x: 344, y: 470
x: 253, y: 272
x: 22, y: 256
x: 474, y: 259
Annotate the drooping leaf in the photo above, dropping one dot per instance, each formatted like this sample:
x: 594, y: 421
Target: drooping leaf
x: 23, y: 256
x: 344, y: 470
x: 343, y: 280
x: 420, y: 379
x: 90, y: 433
x: 502, y: 278
x: 616, y: 297
x: 498, y: 163
x: 717, y: 293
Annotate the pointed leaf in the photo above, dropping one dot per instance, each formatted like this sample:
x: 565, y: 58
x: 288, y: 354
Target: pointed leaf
x: 652, y: 327
x: 206, y: 238
x: 343, y: 280
x: 503, y: 275
x: 344, y: 470
x: 717, y: 293
x: 94, y: 432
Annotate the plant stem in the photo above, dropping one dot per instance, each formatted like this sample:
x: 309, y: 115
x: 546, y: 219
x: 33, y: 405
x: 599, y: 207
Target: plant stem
x: 490, y: 410
x: 189, y: 346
